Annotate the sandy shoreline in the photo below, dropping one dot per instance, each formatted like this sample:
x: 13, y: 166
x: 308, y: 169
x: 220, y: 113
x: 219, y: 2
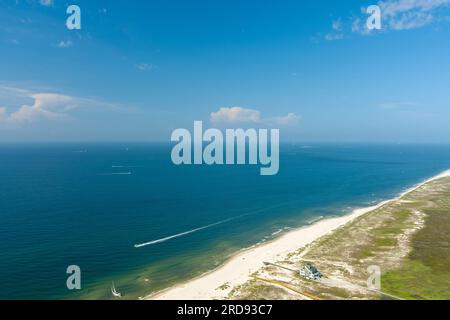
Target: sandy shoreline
x: 237, y: 270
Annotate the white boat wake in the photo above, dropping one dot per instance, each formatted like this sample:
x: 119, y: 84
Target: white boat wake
x: 206, y: 227
x: 186, y: 232
x: 118, y: 174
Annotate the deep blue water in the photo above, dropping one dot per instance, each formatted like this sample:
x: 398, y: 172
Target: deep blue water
x: 64, y: 204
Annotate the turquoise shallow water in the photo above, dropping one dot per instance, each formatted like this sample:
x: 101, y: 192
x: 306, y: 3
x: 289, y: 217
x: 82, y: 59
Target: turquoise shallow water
x: 89, y: 204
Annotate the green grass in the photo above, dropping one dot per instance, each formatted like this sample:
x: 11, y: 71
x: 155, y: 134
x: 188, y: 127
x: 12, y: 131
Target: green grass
x: 415, y: 280
x: 385, y: 242
x: 425, y: 274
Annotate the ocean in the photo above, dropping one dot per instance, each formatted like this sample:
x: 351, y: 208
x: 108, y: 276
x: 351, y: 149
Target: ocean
x: 90, y: 205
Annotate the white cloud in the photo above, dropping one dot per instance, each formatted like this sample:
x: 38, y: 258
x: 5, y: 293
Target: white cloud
x: 65, y: 44
x: 45, y: 105
x: 290, y: 119
x: 243, y: 115
x: 42, y: 106
x: 235, y: 114
x: 146, y: 67
x: 47, y: 3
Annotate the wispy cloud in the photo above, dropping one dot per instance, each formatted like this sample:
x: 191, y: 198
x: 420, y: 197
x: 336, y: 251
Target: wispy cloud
x: 334, y: 36
x: 239, y: 115
x: 47, y: 3
x: 396, y: 7
x: 411, y: 14
x: 290, y: 119
x: 397, y: 105
x: 337, y: 31
x: 146, y: 67
x: 396, y: 15
x: 65, y: 44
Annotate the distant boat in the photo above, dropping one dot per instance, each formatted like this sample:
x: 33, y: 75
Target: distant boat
x: 114, y: 291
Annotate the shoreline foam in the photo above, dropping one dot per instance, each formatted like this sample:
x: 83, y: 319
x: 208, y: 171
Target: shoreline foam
x: 237, y: 270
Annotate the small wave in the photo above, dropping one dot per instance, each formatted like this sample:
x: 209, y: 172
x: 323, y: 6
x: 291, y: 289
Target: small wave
x: 277, y: 232
x: 314, y: 220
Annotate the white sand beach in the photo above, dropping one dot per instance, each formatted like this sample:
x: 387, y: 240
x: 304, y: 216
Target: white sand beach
x: 238, y: 269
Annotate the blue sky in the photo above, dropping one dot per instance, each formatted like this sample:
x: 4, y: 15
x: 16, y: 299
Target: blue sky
x: 139, y: 69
